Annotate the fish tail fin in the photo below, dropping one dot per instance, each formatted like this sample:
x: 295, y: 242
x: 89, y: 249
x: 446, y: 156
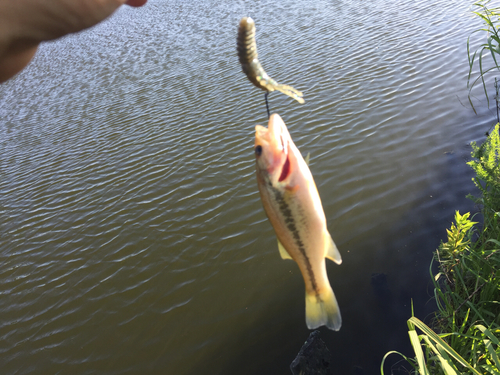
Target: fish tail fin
x: 291, y: 92
x: 323, y: 310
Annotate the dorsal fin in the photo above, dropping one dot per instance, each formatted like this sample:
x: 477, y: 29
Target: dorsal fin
x: 307, y: 158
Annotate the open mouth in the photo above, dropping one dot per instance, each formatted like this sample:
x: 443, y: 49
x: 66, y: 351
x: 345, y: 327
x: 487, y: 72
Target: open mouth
x: 285, y: 171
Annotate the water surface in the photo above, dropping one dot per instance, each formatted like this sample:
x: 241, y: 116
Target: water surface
x: 133, y: 239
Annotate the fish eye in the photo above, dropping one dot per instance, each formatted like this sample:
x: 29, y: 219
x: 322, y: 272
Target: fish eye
x: 258, y: 150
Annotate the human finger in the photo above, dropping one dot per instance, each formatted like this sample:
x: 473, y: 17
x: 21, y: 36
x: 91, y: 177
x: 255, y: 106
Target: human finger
x: 136, y: 3
x: 15, y: 61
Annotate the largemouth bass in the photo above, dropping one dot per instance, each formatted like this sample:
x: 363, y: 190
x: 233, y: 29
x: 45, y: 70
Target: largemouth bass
x: 247, y: 54
x: 293, y: 206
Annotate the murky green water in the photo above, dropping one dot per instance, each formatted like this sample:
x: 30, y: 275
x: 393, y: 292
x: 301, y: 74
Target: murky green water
x: 133, y: 239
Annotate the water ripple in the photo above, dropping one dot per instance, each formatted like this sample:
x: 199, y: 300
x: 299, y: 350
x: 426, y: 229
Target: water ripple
x: 133, y: 237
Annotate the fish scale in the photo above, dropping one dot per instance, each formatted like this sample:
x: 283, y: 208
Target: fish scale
x: 290, y: 224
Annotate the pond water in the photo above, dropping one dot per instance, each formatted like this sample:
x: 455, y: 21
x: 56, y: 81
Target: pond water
x: 133, y: 239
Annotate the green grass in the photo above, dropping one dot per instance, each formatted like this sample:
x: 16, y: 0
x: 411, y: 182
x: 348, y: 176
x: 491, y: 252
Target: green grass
x: 486, y: 165
x: 467, y: 285
x: 434, y: 355
x: 491, y: 25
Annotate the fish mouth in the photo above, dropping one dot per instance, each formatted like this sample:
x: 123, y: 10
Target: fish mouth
x: 275, y: 141
x: 281, y: 139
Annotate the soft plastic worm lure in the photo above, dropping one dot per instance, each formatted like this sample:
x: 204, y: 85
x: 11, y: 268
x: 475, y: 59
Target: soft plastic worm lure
x: 247, y: 54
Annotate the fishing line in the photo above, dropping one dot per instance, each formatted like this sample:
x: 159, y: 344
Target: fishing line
x: 267, y: 104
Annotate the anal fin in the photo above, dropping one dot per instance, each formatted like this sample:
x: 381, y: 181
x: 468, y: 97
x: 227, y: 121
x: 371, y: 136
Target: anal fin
x: 332, y: 252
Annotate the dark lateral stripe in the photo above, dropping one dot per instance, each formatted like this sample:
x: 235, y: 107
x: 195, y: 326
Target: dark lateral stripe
x: 290, y: 224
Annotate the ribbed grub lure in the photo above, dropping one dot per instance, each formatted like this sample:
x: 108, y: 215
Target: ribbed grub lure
x: 247, y: 54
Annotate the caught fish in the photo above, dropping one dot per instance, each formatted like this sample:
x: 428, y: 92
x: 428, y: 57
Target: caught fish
x: 293, y: 206
x: 247, y: 54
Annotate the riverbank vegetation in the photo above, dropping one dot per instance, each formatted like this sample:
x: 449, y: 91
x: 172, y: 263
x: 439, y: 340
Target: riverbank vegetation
x: 465, y: 334
x: 467, y: 285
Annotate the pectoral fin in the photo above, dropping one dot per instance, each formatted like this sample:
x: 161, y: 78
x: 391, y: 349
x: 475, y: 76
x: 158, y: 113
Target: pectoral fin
x: 332, y: 252
x: 307, y: 158
x: 284, y: 254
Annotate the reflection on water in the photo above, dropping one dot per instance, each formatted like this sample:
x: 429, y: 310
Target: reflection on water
x: 133, y: 239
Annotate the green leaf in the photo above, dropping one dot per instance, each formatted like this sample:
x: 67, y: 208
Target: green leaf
x: 419, y: 354
x: 443, y: 358
x: 489, y: 334
x: 490, y: 349
x: 432, y: 335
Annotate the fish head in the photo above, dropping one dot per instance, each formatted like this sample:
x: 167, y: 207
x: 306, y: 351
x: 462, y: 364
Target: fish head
x: 273, y: 150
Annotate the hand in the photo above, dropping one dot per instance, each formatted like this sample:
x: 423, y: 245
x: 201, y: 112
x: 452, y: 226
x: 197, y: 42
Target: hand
x: 24, y: 24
